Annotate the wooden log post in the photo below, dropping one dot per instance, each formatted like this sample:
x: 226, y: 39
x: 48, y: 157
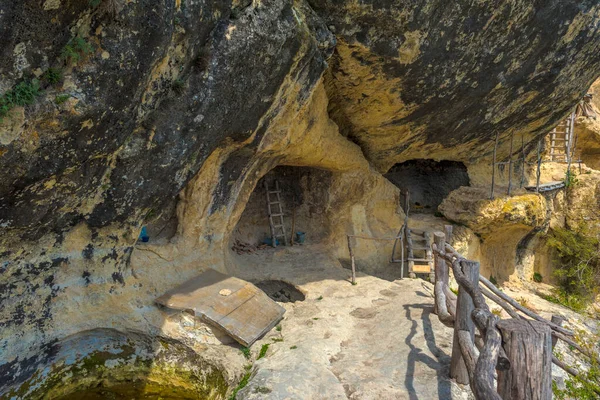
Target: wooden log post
x: 528, y: 346
x: 494, y: 167
x: 538, y: 172
x: 448, y: 232
x: 441, y: 270
x: 351, y: 250
x: 441, y: 282
x: 558, y: 320
x: 463, y: 322
x: 510, y: 163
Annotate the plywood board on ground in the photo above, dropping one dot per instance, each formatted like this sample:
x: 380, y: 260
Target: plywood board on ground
x: 238, y: 307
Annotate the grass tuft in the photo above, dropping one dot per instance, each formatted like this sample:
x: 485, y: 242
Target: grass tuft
x: 263, y: 351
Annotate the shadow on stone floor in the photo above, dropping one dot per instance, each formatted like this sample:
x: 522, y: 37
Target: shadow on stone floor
x: 416, y: 355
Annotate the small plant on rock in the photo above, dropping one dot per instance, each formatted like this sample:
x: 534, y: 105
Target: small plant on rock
x: 178, y: 86
x: 570, y: 178
x: 537, y: 277
x: 53, y: 76
x: 61, y: 98
x: 22, y: 94
x: 75, y: 50
x: 241, y: 385
x: 524, y: 302
x: 246, y: 352
x: 263, y: 351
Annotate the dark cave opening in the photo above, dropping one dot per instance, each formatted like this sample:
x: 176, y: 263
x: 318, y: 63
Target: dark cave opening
x: 304, y: 196
x: 429, y: 182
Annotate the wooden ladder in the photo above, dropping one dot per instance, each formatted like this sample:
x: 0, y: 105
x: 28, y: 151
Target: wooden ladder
x: 277, y: 229
x: 421, y: 242
x: 561, y: 140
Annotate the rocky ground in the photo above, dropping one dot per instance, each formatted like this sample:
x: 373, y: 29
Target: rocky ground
x: 375, y: 340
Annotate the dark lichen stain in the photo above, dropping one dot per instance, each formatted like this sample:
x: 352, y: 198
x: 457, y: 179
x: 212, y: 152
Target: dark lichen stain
x: 86, y: 277
x: 118, y: 277
x: 88, y: 252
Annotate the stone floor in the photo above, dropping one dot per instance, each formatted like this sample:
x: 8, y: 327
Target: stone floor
x: 375, y: 340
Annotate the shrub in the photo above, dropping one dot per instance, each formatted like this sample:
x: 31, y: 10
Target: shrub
x: 537, y: 277
x: 493, y: 280
x: 578, y: 266
x: 570, y: 178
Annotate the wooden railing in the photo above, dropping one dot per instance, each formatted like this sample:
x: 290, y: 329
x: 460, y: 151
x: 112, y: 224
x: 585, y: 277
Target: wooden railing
x: 519, y: 349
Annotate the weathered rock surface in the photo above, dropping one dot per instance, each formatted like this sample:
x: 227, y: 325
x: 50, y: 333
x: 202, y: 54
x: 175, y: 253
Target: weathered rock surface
x: 433, y: 79
x: 375, y: 340
x: 176, y: 109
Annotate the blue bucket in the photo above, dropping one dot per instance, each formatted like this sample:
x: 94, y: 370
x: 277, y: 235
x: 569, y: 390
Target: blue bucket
x: 269, y: 241
x: 144, y: 235
x: 300, y: 237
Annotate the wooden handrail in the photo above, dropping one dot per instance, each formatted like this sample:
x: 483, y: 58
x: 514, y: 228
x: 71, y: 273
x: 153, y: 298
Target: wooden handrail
x: 492, y: 356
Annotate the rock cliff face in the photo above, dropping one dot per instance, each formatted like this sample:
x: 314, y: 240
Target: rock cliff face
x: 116, y: 113
x: 432, y: 79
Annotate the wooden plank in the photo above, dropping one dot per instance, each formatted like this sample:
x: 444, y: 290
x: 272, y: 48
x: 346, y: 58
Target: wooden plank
x: 238, y: 307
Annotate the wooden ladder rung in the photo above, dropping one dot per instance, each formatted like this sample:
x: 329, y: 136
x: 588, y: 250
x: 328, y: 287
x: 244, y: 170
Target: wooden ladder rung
x: 277, y: 215
x: 274, y: 191
x: 421, y: 259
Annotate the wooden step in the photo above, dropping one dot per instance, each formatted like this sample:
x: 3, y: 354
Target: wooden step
x: 277, y: 215
x: 421, y: 259
x: 274, y: 191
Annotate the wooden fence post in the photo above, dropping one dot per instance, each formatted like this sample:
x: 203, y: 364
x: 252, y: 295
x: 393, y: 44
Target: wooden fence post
x: 528, y: 346
x: 558, y: 320
x: 510, y: 163
x: 441, y: 268
x: 351, y: 250
x: 463, y: 322
x: 494, y: 167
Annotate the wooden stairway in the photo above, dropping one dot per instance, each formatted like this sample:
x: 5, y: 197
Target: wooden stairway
x: 275, y: 210
x: 420, y: 254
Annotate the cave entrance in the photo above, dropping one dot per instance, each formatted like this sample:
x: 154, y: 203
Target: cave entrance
x: 429, y: 182
x: 304, y: 195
